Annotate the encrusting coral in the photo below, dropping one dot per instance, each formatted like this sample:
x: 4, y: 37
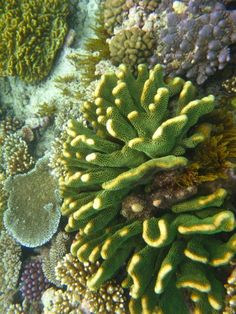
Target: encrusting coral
x: 110, y: 296
x: 138, y: 129
x: 31, y: 33
x: 32, y: 219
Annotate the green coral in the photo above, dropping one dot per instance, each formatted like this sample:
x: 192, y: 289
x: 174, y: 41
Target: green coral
x: 142, y: 127
x: 31, y: 33
x: 32, y: 219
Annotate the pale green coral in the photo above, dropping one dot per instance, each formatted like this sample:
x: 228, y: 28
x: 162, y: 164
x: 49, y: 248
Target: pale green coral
x: 31, y: 33
x: 142, y: 127
x: 32, y: 219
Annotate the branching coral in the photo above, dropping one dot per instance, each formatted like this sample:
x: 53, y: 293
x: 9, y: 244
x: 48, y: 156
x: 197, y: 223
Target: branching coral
x: 16, y: 156
x: 110, y: 296
x: 10, y: 263
x: 33, y: 218
x: 145, y: 127
x: 61, y: 302
x: 31, y: 33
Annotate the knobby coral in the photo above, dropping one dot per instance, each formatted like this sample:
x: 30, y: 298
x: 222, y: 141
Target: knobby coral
x: 190, y: 38
x: 110, y: 296
x: 31, y: 33
x: 10, y: 262
x: 143, y: 128
x: 231, y: 293
x: 33, y: 218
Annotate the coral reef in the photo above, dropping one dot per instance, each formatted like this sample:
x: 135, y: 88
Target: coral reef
x: 33, y: 281
x: 61, y: 302
x: 58, y: 248
x: 32, y: 219
x: 3, y: 198
x: 108, y: 299
x: 144, y: 128
x: 230, y: 85
x: 8, y: 125
x: 31, y: 33
x: 10, y: 263
x: 230, y: 307
x: 190, y: 38
x: 15, y: 155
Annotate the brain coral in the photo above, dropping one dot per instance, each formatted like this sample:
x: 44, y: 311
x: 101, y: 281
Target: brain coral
x: 191, y: 38
x: 144, y: 128
x: 32, y: 219
x: 31, y: 33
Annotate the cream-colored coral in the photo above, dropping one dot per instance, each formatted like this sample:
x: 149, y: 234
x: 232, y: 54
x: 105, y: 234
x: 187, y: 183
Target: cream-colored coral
x: 10, y: 262
x: 60, y: 302
x: 109, y: 298
x: 16, y: 156
x: 133, y: 46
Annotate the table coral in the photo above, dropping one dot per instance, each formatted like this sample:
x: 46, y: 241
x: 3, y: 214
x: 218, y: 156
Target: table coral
x: 190, y: 38
x: 31, y: 33
x: 33, y: 218
x: 142, y: 127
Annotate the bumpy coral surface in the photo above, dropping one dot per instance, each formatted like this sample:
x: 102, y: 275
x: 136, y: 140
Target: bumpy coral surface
x: 31, y: 33
x: 110, y: 296
x: 230, y: 307
x: 33, y: 218
x: 190, y: 38
x: 33, y: 281
x: 53, y: 255
x: 10, y: 262
x: 15, y: 155
x: 143, y: 128
x: 61, y: 302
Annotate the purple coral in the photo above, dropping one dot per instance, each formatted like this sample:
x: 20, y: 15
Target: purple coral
x: 202, y: 34
x: 33, y: 282
x: 191, y: 37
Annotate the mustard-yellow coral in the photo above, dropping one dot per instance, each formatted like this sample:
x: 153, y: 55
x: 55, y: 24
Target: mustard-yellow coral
x: 31, y: 32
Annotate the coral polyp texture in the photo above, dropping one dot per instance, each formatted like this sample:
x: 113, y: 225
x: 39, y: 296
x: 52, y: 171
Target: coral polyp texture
x: 139, y: 143
x: 230, y: 286
x: 109, y: 298
x: 33, y: 217
x: 33, y: 281
x: 190, y: 38
x: 31, y: 33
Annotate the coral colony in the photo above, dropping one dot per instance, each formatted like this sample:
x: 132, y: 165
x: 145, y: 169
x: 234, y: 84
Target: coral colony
x: 118, y: 157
